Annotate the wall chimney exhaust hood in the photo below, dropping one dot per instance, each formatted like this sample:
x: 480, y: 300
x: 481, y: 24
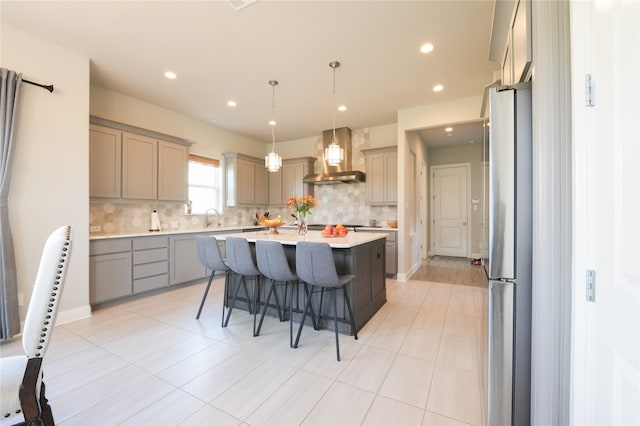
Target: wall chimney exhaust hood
x: 341, y: 172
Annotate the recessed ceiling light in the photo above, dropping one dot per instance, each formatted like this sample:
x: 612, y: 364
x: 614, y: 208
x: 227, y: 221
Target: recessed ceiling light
x: 438, y: 88
x: 426, y: 48
x: 231, y: 103
x: 449, y: 129
x: 342, y: 108
x: 272, y: 122
x: 170, y: 75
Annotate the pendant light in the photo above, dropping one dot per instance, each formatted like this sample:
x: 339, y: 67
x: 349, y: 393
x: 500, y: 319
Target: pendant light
x: 273, y: 161
x: 334, y: 154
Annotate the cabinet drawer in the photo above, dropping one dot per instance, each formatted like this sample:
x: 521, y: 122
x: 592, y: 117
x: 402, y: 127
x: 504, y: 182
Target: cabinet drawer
x: 148, y: 256
x: 109, y: 246
x: 149, y: 269
x: 150, y: 283
x: 149, y: 243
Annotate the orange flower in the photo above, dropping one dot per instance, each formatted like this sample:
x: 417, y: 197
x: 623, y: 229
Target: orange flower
x: 301, y: 206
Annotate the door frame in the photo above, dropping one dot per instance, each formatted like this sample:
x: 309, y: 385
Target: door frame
x: 432, y: 243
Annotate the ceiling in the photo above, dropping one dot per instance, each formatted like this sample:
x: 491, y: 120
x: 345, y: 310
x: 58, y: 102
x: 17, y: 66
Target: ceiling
x: 220, y: 53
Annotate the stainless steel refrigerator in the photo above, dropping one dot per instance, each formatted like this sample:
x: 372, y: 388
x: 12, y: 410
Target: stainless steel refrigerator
x: 509, y: 270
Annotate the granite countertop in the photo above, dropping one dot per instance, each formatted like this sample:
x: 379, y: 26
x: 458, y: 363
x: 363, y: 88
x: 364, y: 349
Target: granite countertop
x: 291, y: 237
x: 377, y: 228
x: 104, y: 236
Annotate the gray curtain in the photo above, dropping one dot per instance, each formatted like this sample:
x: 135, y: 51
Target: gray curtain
x: 9, y: 311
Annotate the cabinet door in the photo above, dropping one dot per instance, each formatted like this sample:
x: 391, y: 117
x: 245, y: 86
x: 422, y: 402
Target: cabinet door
x: 292, y: 175
x: 173, y: 160
x: 275, y: 188
x: 245, y: 181
x: 261, y: 185
x: 375, y: 178
x: 390, y: 177
x: 185, y: 264
x: 105, y: 162
x: 139, y: 167
x: 110, y: 276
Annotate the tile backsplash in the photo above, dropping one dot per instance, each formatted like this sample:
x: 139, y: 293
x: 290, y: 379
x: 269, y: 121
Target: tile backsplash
x: 338, y: 203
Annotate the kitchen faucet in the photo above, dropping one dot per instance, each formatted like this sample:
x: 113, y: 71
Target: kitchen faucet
x: 206, y: 217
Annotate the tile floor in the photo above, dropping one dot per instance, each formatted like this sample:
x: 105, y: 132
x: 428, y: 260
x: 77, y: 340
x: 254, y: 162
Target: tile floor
x: 149, y: 362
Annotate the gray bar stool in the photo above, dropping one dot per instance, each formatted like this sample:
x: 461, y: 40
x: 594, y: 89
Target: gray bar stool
x: 273, y: 264
x: 210, y: 256
x: 240, y: 260
x: 315, y: 266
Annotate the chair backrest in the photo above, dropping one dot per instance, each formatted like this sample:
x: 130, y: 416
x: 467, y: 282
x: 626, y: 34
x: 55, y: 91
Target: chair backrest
x: 315, y: 264
x: 47, y: 290
x: 272, y: 261
x: 239, y: 257
x: 209, y: 253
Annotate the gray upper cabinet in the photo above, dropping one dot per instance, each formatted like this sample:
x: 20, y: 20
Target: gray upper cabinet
x: 139, y: 167
x: 275, y: 188
x: 247, y: 180
x: 131, y: 163
x: 173, y: 177
x: 287, y: 182
x: 382, y: 175
x: 293, y: 171
x: 105, y: 165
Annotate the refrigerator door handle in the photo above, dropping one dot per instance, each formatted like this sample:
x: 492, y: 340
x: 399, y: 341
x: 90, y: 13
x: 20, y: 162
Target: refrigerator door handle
x: 500, y: 353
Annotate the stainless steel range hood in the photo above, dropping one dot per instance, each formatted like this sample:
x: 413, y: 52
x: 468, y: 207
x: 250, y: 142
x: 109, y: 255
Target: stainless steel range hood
x: 340, y: 173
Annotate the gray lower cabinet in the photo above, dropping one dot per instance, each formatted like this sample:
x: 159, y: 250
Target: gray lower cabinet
x: 150, y: 263
x: 122, y: 267
x: 184, y: 261
x: 110, y: 270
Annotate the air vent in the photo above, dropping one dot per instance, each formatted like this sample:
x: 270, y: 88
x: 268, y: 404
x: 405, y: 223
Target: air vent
x: 240, y: 4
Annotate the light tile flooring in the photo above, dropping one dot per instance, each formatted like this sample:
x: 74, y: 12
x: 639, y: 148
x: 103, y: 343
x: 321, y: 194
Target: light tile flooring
x: 150, y: 362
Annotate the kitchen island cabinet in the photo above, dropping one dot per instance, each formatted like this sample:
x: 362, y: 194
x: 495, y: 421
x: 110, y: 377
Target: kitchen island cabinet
x: 361, y: 254
x: 391, y: 247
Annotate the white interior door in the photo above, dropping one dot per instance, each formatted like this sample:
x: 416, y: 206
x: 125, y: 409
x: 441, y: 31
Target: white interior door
x: 450, y: 210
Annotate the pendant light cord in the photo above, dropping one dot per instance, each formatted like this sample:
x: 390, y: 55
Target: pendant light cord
x: 273, y: 84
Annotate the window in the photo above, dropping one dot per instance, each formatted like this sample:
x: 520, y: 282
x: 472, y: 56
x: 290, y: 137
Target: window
x: 204, y: 184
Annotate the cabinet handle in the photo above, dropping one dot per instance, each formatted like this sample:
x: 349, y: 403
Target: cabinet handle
x: 379, y: 255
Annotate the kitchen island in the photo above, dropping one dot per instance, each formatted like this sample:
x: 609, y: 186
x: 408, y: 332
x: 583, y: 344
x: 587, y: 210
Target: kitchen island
x: 358, y: 253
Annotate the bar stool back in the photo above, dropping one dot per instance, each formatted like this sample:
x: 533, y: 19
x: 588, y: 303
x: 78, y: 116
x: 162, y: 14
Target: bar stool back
x: 211, y: 258
x: 315, y: 265
x: 240, y: 261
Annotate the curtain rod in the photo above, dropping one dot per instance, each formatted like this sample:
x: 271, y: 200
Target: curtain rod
x: 48, y: 87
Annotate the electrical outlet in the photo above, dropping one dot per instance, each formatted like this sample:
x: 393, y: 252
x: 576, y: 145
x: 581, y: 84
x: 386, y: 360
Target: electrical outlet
x: 175, y: 225
x: 95, y: 228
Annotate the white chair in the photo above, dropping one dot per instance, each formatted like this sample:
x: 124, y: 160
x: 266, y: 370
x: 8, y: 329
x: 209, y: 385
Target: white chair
x: 21, y: 387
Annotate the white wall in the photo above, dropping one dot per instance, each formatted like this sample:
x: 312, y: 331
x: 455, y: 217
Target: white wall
x: 210, y: 141
x: 50, y: 181
x: 605, y: 42
x: 458, y: 111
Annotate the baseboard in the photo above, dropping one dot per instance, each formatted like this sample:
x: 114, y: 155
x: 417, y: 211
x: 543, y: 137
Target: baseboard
x: 407, y: 276
x: 73, y: 314
x: 476, y: 256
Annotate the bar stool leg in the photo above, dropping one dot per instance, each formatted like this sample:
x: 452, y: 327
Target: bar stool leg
x: 204, y: 297
x: 335, y: 321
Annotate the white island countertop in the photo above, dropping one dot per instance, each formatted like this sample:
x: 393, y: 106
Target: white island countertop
x: 291, y: 237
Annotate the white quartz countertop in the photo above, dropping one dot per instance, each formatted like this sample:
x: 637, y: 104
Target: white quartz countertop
x: 105, y: 236
x: 291, y: 237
